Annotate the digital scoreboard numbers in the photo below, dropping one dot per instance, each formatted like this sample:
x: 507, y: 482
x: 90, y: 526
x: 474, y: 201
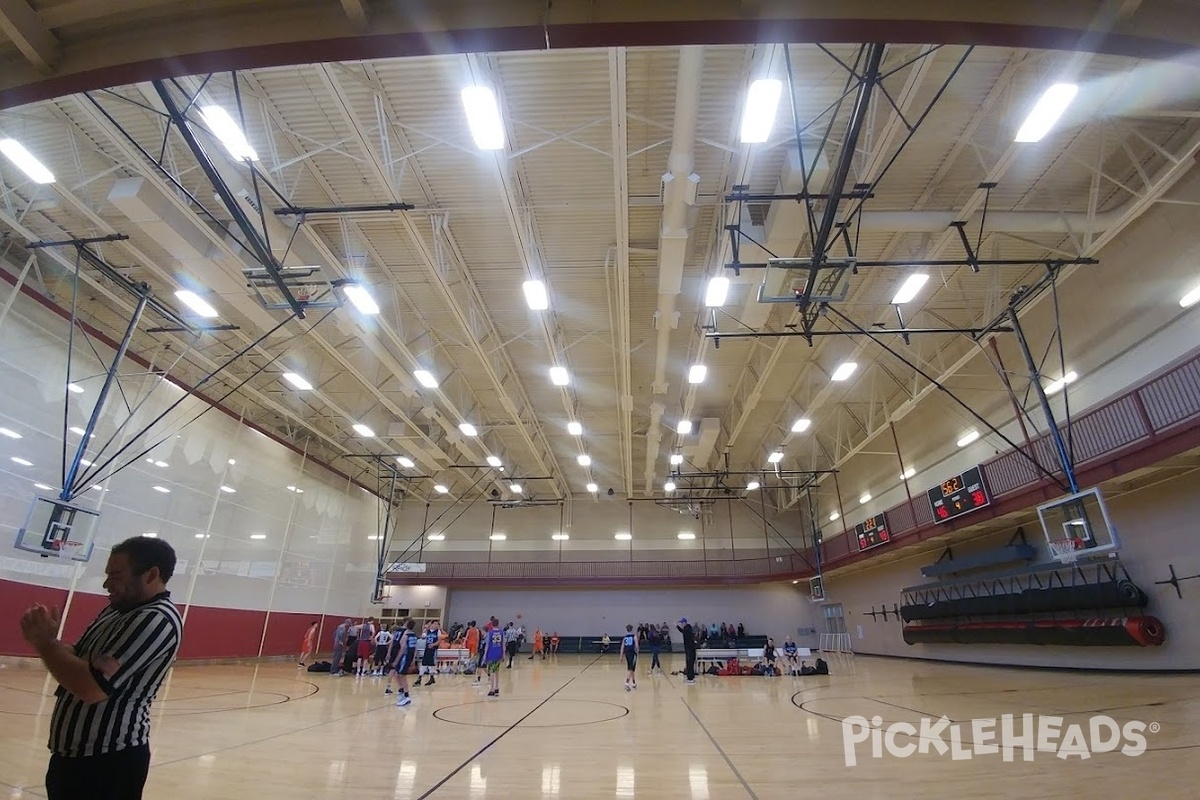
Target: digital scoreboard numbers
x: 872, y: 532
x: 960, y: 495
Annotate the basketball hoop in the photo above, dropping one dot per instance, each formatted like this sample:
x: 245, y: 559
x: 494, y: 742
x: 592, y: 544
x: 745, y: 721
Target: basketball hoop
x: 1066, y: 551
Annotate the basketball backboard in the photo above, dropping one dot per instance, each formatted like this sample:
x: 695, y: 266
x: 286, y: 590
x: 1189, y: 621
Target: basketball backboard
x: 796, y: 280
x: 310, y: 285
x: 54, y: 529
x: 1078, y: 526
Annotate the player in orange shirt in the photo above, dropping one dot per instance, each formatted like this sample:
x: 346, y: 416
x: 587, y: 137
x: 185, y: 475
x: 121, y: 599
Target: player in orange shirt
x: 309, y: 645
x: 471, y: 640
x: 537, y: 645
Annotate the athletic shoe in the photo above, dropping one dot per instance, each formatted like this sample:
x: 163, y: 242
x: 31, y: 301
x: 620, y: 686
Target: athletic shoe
x: 403, y: 700
x: 388, y: 690
x: 431, y: 681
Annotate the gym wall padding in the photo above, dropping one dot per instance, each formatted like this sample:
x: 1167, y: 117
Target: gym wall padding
x: 1102, y: 632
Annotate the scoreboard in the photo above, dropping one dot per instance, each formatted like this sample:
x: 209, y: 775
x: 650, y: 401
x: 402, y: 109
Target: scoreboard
x: 960, y: 495
x: 872, y: 532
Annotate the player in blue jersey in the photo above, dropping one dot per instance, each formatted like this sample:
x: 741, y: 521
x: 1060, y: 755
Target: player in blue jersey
x: 406, y: 654
x: 629, y: 649
x: 433, y: 636
x: 790, y: 654
x: 493, y: 655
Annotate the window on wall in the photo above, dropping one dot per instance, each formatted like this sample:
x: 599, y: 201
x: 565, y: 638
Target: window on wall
x: 835, y: 619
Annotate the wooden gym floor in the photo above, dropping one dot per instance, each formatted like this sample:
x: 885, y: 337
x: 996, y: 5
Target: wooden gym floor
x: 567, y: 729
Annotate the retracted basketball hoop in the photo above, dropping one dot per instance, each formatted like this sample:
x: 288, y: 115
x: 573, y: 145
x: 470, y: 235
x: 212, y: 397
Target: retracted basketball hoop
x: 1066, y: 551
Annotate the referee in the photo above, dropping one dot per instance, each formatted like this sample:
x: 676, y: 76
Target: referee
x: 100, y: 729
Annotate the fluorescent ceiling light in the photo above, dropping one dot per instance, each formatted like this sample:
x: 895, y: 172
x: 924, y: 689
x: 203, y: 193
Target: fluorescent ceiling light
x: 575, y: 429
x: 483, y: 116
x: 1057, y: 386
x: 196, y: 303
x: 968, y: 438
x: 1190, y: 298
x: 752, y: 485
x: 228, y: 490
x: 515, y: 488
x: 437, y: 537
x: 669, y: 486
x: 229, y: 132
x: 405, y: 462
x: 908, y: 473
x: 468, y: 429
x: 697, y: 373
x: 87, y: 463
x: 162, y: 489
x: 25, y: 161
x: 297, y: 381
x: 560, y: 537
x: 150, y: 535
x: 372, y: 538
x: 1049, y: 108
x: 908, y: 290
x: 866, y: 498
x: 161, y: 464
x: 801, y: 425
x: 258, y: 536
x: 591, y: 487
x: 584, y: 460
x: 15, y: 435
x: 73, y: 429
x: 363, y: 430
x: 684, y: 427
x: 497, y: 537
x: 559, y: 376
x: 717, y: 291
x: 426, y: 379
x: 623, y: 537
x: 775, y: 457
x: 43, y: 487
x: 495, y: 461
x: 440, y: 489
x: 98, y: 487
x: 677, y: 458
x: 685, y: 535
x: 232, y: 461
x: 201, y: 536
x: 361, y: 298
x: 843, y: 371
x: 535, y: 295
x: 21, y: 461
x: 758, y: 117
x: 834, y: 516
x: 75, y: 387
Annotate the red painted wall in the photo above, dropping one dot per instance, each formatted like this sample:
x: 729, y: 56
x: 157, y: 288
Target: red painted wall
x: 208, y: 632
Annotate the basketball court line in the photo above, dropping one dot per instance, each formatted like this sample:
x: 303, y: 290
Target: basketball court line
x: 503, y: 733
x: 624, y: 709
x: 717, y: 745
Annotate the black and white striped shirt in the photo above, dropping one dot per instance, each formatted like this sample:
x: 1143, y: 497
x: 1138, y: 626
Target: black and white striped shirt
x: 145, y: 641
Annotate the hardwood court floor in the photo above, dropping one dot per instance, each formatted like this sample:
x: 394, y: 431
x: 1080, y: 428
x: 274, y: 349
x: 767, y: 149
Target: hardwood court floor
x: 567, y: 729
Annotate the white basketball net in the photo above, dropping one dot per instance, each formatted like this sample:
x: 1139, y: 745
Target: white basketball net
x: 1064, y: 550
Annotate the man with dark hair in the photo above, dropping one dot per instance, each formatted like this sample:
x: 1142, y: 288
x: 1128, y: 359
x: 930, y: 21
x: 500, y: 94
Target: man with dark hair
x: 689, y: 650
x: 100, y: 728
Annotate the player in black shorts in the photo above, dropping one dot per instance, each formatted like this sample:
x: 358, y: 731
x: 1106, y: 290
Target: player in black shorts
x: 629, y: 649
x: 429, y: 657
x: 406, y: 654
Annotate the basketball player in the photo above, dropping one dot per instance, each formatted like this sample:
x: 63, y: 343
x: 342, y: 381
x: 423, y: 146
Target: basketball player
x: 494, y: 655
x: 383, y: 640
x: 404, y: 661
x: 429, y: 657
x: 789, y: 654
x: 366, y: 647
x: 309, y: 645
x: 629, y: 649
x: 471, y: 642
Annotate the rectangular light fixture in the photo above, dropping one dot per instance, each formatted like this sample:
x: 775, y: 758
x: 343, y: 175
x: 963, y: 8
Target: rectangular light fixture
x: 968, y: 438
x: 162, y: 489
x: 560, y: 537
x: 229, y: 132
x: 75, y: 429
x: 440, y: 489
x: 834, y: 516
x: 483, y: 116
x: 1057, y: 386
x: 43, y: 487
x: 908, y: 473
x: 844, y: 371
x: 437, y: 537
x: 468, y: 429
x: 775, y: 457
x: 297, y: 381
x: 426, y: 379
x: 516, y: 488
x: 15, y: 435
x: 717, y: 291
x: 676, y: 459
x: 74, y: 387
x: 575, y: 429
x: 536, y: 296
x: 623, y: 537
x: 21, y: 461
x: 1049, y: 108
x: 865, y: 498
x: 1190, y: 298
x: 196, y: 303
x: 685, y: 535
x: 363, y: 430
x: 697, y: 373
x: 908, y: 290
x: 593, y: 488
x: 405, y: 462
x: 559, y: 376
x: 684, y: 427
x: 25, y: 161
x: 584, y: 461
x: 669, y: 486
x: 801, y: 425
x: 228, y: 490
x: 752, y: 485
x: 495, y: 461
x: 361, y: 298
x: 258, y: 536
x: 498, y: 537
x: 758, y: 117
x: 150, y: 535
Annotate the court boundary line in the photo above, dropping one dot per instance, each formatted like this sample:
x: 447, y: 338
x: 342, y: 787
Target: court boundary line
x: 503, y: 733
x: 514, y: 699
x: 716, y: 744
